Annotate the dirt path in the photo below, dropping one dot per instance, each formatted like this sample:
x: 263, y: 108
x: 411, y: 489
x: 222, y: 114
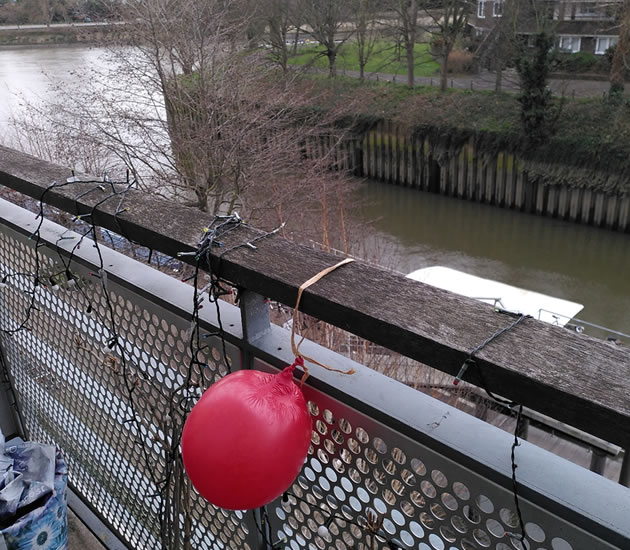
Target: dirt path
x: 486, y: 81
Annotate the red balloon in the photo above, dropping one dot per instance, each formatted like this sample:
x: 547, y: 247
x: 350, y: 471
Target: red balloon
x: 246, y: 439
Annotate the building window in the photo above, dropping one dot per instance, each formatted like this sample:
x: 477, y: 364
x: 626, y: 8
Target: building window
x: 497, y: 8
x: 587, y: 10
x: 603, y: 43
x: 570, y: 44
x: 480, y: 9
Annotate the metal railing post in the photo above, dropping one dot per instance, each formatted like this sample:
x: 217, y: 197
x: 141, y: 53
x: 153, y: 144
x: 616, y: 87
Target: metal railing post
x: 598, y: 461
x: 255, y: 320
x: 624, y: 476
x: 10, y: 416
x: 524, y: 429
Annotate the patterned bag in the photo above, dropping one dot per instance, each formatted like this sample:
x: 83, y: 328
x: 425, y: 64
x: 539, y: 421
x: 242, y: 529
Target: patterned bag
x: 46, y: 527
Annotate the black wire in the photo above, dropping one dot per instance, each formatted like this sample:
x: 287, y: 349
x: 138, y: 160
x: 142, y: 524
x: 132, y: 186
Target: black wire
x: 258, y: 525
x: 516, y: 443
x: 113, y: 340
x: 331, y: 515
x: 470, y: 361
x: 218, y: 228
x: 264, y: 527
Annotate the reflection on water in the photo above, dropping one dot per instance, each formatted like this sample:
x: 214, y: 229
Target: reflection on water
x: 28, y: 72
x: 587, y: 265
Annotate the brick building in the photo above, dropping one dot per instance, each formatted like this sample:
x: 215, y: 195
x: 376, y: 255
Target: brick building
x: 579, y: 26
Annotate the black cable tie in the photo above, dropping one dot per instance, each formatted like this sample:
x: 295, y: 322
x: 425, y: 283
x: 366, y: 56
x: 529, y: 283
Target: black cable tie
x: 463, y: 370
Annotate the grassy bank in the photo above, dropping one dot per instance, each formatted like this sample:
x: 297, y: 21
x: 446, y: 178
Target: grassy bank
x: 591, y: 136
x: 53, y: 35
x: 384, y: 59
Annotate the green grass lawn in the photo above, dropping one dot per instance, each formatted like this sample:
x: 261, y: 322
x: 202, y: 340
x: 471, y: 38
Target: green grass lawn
x: 383, y: 59
x: 589, y: 132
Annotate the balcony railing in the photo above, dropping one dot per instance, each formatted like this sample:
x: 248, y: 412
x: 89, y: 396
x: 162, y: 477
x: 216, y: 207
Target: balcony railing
x: 436, y: 477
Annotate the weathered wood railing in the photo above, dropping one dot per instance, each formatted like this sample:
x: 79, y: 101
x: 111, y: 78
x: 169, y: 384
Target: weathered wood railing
x: 572, y: 378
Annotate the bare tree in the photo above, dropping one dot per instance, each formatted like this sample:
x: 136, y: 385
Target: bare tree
x: 366, y: 33
x: 278, y: 16
x: 620, y: 64
x: 502, y: 42
x: 406, y: 31
x: 505, y: 38
x: 196, y: 116
x: 325, y: 20
x: 450, y: 22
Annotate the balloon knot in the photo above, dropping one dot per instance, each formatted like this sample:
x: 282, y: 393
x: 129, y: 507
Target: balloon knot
x: 299, y: 362
x: 288, y: 371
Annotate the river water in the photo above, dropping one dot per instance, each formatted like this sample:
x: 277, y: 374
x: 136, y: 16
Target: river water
x: 411, y: 229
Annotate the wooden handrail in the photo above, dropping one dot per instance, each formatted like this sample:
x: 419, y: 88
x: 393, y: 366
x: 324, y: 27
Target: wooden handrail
x: 573, y: 378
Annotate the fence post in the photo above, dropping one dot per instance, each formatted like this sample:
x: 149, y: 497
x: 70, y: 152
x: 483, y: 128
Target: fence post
x: 255, y: 320
x: 598, y: 461
x: 10, y: 417
x: 624, y: 476
x: 523, y: 431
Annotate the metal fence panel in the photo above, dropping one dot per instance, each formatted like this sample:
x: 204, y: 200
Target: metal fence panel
x: 423, y: 499
x: 71, y: 391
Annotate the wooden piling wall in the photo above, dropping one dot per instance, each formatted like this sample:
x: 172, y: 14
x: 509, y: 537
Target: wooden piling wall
x: 388, y: 154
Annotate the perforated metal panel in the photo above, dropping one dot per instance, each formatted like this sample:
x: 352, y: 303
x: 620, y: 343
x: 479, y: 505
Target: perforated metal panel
x: 72, y: 393
x: 358, y: 467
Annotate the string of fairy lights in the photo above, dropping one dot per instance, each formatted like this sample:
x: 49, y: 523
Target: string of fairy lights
x: 206, y: 284
x: 511, y: 405
x: 41, y: 280
x: 371, y: 523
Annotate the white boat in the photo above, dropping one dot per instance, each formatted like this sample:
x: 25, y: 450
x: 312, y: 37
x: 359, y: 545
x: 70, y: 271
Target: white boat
x: 509, y: 298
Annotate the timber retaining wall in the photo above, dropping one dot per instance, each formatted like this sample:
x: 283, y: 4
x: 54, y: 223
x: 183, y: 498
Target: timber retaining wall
x: 388, y: 154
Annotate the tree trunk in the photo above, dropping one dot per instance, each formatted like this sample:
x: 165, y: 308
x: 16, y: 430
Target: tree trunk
x: 332, y: 59
x: 284, y: 61
x: 295, y: 42
x: 618, y: 68
x: 411, y: 65
x: 444, y: 71
x: 498, y: 75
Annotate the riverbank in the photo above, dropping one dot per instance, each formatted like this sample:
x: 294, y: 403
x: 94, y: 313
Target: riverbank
x: 591, y: 140
x: 470, y: 145
x: 42, y: 35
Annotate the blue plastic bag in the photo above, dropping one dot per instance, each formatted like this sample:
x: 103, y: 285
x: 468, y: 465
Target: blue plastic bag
x: 45, y: 527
